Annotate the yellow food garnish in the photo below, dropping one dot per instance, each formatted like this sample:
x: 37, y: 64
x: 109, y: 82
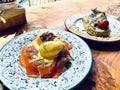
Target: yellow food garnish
x: 50, y: 49
x: 37, y: 41
x: 58, y: 39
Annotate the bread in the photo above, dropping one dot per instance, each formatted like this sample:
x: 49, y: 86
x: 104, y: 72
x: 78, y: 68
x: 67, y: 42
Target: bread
x: 96, y: 24
x: 95, y: 31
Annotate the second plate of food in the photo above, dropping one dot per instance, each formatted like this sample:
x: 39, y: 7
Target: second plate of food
x: 75, y: 25
x: 99, y: 30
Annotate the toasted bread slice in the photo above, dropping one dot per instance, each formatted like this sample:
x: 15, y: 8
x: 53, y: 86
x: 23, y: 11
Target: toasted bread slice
x: 94, y: 30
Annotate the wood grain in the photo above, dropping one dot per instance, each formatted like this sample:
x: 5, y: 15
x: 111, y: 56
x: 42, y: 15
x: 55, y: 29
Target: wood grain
x: 105, y: 70
x: 106, y: 67
x: 13, y: 18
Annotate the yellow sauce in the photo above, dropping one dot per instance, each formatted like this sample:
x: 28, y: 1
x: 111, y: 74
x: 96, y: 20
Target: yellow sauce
x: 47, y: 51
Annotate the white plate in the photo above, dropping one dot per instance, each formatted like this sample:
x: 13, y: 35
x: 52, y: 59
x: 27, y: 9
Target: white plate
x: 14, y: 77
x: 75, y: 25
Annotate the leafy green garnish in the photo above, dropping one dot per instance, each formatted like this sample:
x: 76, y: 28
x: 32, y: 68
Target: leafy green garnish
x: 71, y: 58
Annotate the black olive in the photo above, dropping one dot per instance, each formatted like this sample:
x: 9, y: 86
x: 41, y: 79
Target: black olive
x: 68, y: 64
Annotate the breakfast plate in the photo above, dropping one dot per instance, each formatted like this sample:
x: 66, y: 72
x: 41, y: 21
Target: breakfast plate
x: 14, y: 77
x: 75, y: 25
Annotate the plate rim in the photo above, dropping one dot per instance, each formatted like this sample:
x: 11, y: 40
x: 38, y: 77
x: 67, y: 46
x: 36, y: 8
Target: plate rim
x: 74, y: 85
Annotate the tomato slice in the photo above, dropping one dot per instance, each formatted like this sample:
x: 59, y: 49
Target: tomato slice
x: 103, y: 24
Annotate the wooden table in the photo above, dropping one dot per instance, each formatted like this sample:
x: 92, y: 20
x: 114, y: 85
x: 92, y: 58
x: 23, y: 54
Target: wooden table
x: 105, y: 74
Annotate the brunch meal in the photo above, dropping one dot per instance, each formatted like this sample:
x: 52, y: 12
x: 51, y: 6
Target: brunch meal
x: 96, y: 24
x: 47, y: 56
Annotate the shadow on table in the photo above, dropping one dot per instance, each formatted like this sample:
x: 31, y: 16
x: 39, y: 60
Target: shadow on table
x: 86, y: 85
x: 106, y: 46
x: 14, y: 30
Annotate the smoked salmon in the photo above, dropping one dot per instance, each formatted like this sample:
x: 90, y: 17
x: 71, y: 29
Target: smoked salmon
x: 46, y: 56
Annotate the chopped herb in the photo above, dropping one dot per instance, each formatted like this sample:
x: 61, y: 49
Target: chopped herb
x: 71, y: 57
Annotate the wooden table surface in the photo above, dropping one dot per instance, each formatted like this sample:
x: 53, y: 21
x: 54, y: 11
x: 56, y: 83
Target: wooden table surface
x: 105, y: 74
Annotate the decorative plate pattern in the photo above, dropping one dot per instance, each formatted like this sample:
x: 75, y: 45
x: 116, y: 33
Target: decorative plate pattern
x: 75, y: 25
x: 14, y: 77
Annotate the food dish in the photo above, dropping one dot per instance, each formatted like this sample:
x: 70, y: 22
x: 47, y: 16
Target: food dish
x: 47, y: 56
x: 75, y: 25
x: 14, y: 77
x: 96, y: 24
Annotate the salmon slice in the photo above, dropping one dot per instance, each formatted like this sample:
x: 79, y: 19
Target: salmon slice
x: 56, y: 72
x: 24, y: 60
x: 35, y: 68
x: 21, y: 61
x: 44, y: 70
x: 67, y: 45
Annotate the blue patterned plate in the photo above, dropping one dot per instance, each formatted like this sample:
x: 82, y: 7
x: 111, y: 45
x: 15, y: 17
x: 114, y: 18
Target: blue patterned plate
x: 14, y: 77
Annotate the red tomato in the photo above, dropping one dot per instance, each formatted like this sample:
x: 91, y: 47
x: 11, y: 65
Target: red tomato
x: 103, y: 24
